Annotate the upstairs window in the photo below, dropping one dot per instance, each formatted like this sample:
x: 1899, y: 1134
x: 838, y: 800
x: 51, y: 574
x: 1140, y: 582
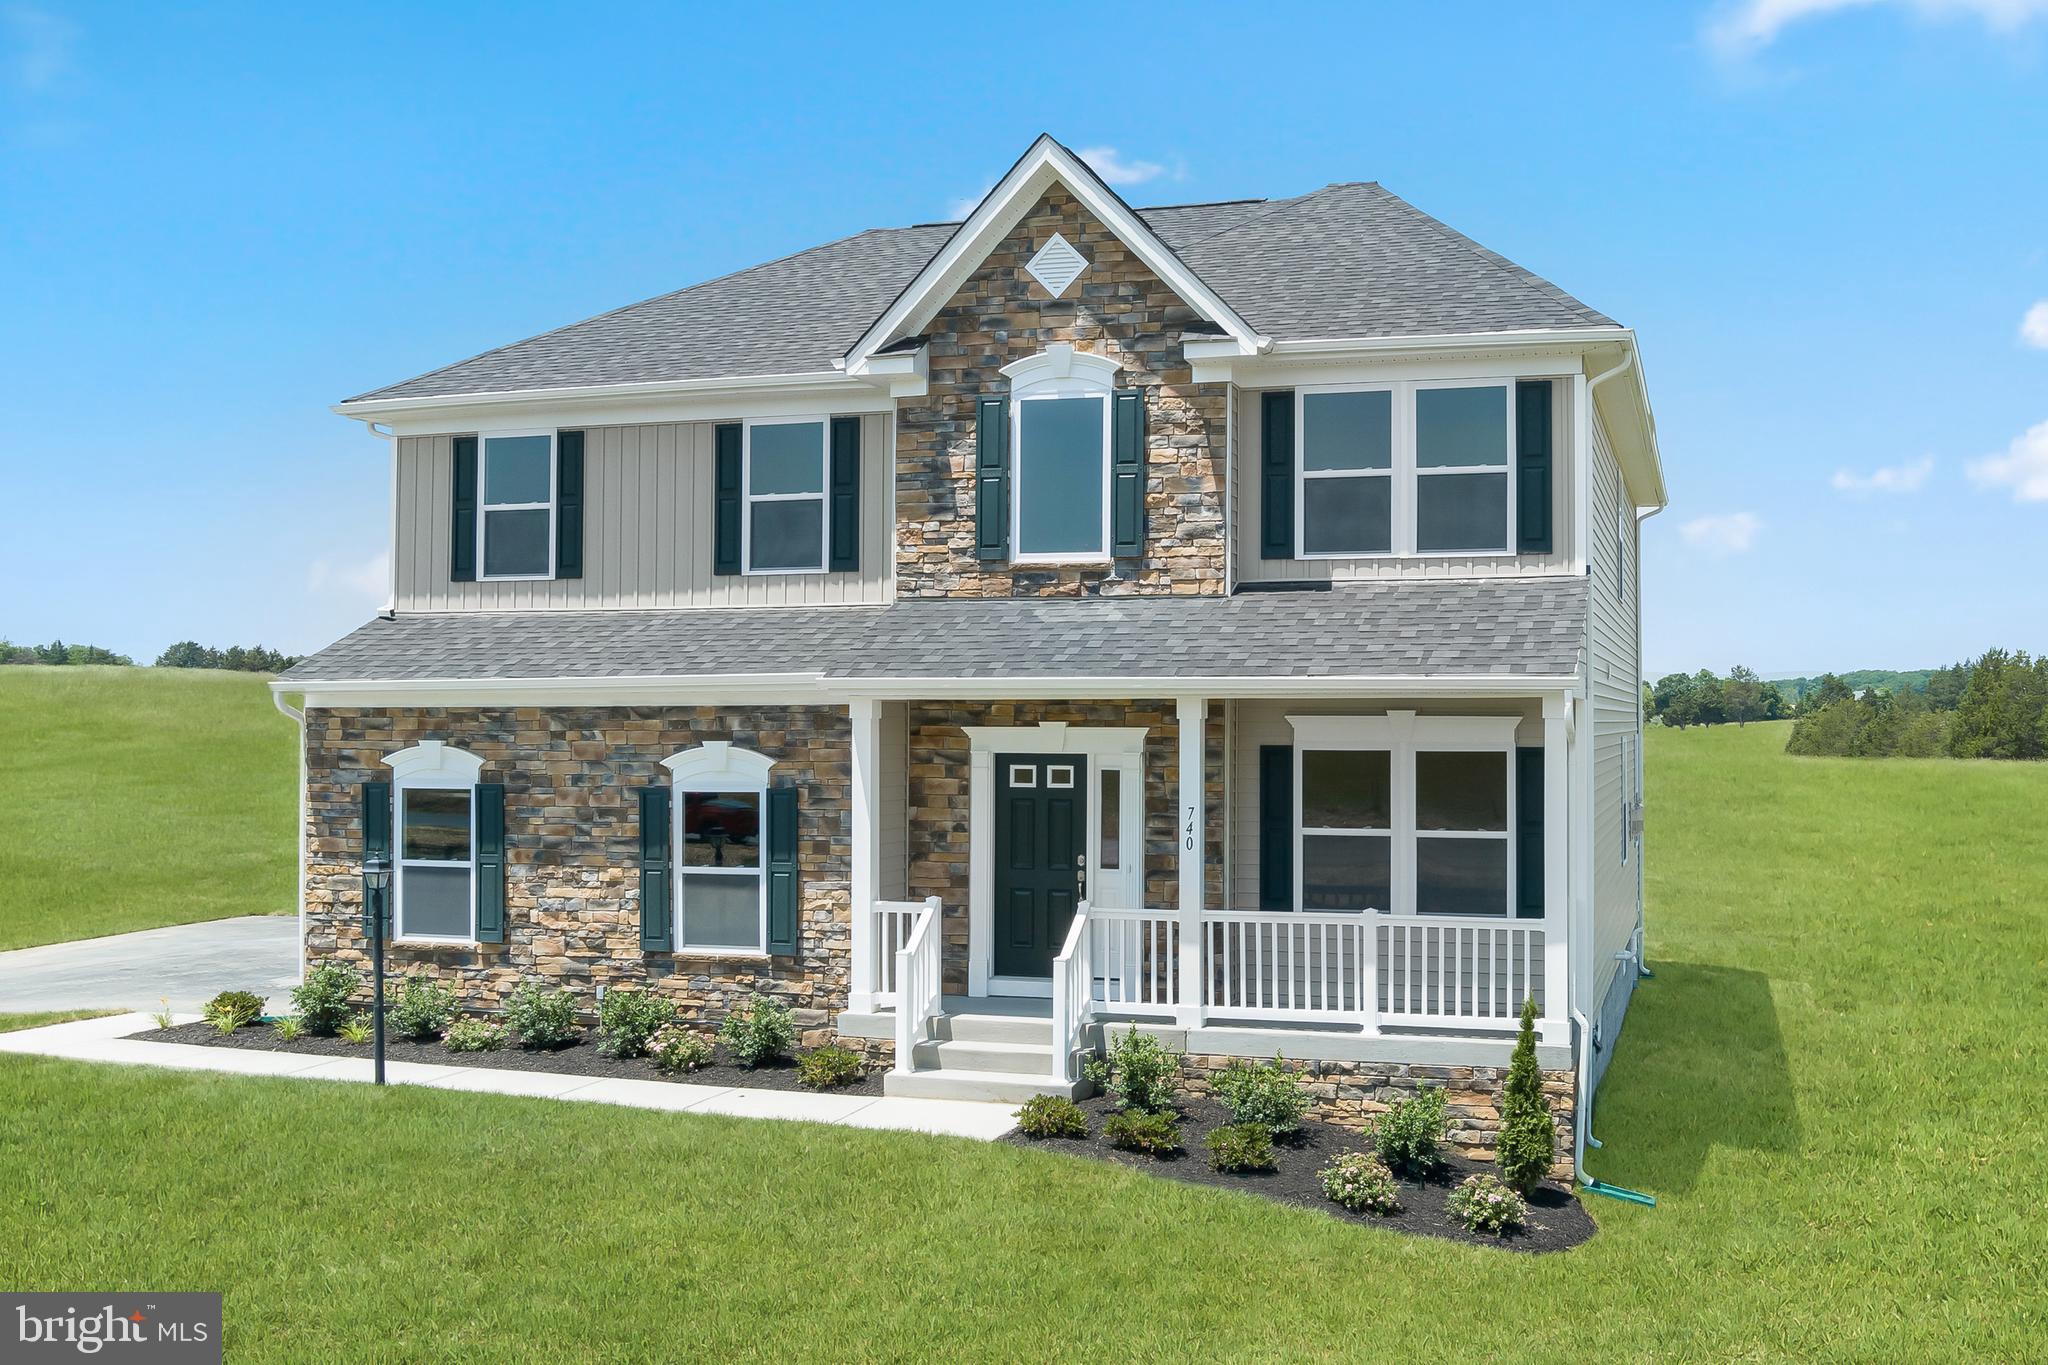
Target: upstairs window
x: 517, y: 527
x: 1462, y: 448
x: 1062, y: 478
x: 785, y: 520
x: 1347, y: 470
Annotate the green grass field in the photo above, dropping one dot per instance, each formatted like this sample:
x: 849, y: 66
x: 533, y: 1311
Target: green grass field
x: 1832, y: 1086
x: 133, y: 797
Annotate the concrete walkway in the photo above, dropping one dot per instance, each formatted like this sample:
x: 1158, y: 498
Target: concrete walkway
x: 187, y: 963
x: 107, y: 1040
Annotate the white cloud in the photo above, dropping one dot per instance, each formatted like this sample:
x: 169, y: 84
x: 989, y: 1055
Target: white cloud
x: 1730, y: 533
x: 2023, y: 468
x: 1111, y: 165
x: 1749, y: 26
x: 2034, y: 326
x: 38, y: 49
x: 1905, y: 478
x: 368, y: 578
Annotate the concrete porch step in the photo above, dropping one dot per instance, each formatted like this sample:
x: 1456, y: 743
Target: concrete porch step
x: 974, y: 1054
x: 996, y: 1086
x: 1006, y: 1029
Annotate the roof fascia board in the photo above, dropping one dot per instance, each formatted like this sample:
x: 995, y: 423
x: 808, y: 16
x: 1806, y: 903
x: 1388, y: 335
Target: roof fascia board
x: 1045, y: 162
x: 619, y: 405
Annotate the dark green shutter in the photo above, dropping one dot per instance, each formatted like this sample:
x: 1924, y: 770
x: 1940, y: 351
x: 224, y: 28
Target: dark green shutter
x: 490, y: 862
x: 462, y: 514
x: 726, y: 499
x: 657, y: 875
x: 845, y: 495
x: 782, y: 872
x: 1276, y: 475
x: 1127, y: 474
x: 1276, y: 827
x: 1529, y: 833
x: 1532, y: 466
x: 569, y: 504
x: 992, y: 478
x: 377, y: 844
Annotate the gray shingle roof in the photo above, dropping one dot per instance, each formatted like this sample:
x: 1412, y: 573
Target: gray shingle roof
x: 1345, y: 261
x: 1498, y: 627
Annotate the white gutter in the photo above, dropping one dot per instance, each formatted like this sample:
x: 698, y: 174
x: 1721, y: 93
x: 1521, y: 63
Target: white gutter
x: 299, y: 836
x: 361, y: 408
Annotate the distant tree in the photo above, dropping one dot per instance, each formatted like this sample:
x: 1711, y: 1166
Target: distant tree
x: 1707, y: 691
x: 1773, y: 703
x: 1835, y: 729
x: 1742, y: 696
x: 55, y: 652
x: 1827, y: 690
x: 247, y: 659
x: 1665, y: 697
x: 1945, y: 686
x: 2001, y: 711
x: 1924, y: 735
x: 1649, y: 704
x: 188, y: 654
x: 93, y: 654
x: 12, y: 653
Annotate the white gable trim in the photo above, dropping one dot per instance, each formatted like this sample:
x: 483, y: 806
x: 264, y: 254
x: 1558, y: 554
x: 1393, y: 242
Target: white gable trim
x: 1045, y: 164
x: 432, y: 763
x: 715, y: 765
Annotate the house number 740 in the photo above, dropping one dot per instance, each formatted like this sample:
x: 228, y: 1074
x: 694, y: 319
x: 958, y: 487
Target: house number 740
x: 1188, y: 833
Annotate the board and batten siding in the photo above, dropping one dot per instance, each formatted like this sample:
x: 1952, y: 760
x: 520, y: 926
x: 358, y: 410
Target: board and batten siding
x: 647, y: 530
x: 1245, y: 510
x: 1614, y: 661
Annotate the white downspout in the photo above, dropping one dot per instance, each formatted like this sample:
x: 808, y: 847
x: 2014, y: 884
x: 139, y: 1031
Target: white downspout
x: 299, y: 834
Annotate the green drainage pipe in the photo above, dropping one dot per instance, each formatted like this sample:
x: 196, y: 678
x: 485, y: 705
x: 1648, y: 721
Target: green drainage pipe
x: 1617, y: 1192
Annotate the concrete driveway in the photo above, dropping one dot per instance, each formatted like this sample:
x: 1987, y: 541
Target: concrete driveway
x: 187, y: 963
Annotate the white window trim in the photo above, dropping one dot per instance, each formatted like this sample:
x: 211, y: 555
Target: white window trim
x: 1402, y: 734
x: 484, y: 507
x: 716, y: 767
x: 430, y: 765
x: 1405, y: 504
x: 1059, y: 371
x: 748, y: 497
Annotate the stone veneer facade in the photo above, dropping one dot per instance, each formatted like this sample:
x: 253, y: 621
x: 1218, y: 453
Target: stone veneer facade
x: 1118, y: 308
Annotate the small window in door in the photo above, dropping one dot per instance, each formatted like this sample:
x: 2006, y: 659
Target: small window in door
x: 1111, y: 807
x: 1059, y: 777
x: 1023, y: 775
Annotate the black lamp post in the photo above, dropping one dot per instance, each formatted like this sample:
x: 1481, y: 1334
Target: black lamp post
x: 377, y: 890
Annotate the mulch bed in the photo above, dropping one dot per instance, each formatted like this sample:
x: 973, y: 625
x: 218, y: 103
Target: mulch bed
x: 1557, y: 1221
x: 580, y: 1058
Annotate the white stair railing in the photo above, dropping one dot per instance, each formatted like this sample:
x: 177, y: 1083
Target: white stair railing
x: 1073, y: 975
x: 892, y: 921
x: 920, y: 984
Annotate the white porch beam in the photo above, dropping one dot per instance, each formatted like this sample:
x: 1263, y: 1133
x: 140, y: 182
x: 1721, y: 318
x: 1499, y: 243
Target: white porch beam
x: 865, y: 887
x: 1192, y: 716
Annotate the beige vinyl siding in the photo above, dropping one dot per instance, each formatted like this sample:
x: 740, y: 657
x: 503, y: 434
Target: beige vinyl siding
x: 1246, y: 511
x: 1615, y: 673
x: 893, y: 822
x: 647, y: 530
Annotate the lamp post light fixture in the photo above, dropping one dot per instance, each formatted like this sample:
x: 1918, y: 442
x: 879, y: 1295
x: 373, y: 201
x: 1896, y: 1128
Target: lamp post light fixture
x: 377, y: 897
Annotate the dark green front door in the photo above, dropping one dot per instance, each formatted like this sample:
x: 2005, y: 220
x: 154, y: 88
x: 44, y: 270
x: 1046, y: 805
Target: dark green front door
x: 1041, y: 848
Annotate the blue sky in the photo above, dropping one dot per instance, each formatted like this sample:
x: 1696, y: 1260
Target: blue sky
x: 1828, y: 220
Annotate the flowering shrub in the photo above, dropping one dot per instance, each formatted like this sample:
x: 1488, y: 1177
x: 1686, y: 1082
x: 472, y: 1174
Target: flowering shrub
x: 1138, y: 1073
x: 474, y: 1035
x: 627, y: 1020
x: 675, y: 1048
x: 1484, y: 1204
x: 231, y: 1010
x: 1051, y: 1116
x: 541, y: 1017
x: 1361, y: 1182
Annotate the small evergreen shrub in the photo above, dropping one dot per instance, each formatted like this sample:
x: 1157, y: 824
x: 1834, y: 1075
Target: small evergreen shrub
x: 356, y: 1028
x: 1361, y: 1182
x: 542, y: 1018
x: 1483, y: 1204
x: 1153, y: 1132
x: 1051, y: 1116
x: 1241, y: 1147
x: 1528, y: 1141
x: 1139, y: 1073
x: 1265, y: 1093
x: 289, y: 1027
x: 827, y: 1068
x: 761, y: 1032
x: 1410, y: 1135
x: 231, y: 1010
x: 627, y: 1020
x: 474, y: 1035
x: 322, y: 999
x: 675, y: 1048
x: 423, y: 1009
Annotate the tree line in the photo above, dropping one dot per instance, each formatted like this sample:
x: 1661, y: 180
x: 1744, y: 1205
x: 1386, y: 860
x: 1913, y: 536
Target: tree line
x: 1996, y: 707
x: 1704, y: 698
x: 184, y: 654
x: 57, y: 652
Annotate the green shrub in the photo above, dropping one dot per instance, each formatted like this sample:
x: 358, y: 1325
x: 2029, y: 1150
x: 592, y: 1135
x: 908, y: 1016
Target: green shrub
x: 1483, y: 1204
x: 542, y: 1018
x: 1265, y: 1093
x: 356, y: 1028
x: 1051, y: 1116
x: 1361, y: 1182
x: 1153, y: 1132
x: 289, y: 1027
x: 826, y: 1068
x: 423, y: 1009
x: 626, y: 1020
x: 675, y: 1048
x: 1139, y: 1073
x: 322, y: 999
x: 1241, y: 1147
x: 1410, y: 1135
x: 163, y: 1015
x: 231, y: 1010
x: 761, y: 1032
x: 474, y: 1035
x: 1528, y: 1141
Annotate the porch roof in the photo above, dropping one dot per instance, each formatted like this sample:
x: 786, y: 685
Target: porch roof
x: 1496, y: 629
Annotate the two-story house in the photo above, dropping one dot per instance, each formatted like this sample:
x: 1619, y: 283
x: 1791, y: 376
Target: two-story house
x: 1221, y: 616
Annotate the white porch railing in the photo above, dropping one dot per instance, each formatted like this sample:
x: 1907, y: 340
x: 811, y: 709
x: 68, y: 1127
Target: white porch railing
x: 1073, y: 976
x: 1281, y: 965
x: 1458, y: 974
x: 1136, y: 958
x: 892, y: 922
x: 920, y: 980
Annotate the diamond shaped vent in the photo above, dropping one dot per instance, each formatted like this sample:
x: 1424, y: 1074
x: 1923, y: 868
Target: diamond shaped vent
x: 1056, y: 265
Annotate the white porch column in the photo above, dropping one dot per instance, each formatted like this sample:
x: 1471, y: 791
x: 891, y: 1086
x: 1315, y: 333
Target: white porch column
x: 865, y: 886
x: 1192, y: 717
x: 1555, y: 1027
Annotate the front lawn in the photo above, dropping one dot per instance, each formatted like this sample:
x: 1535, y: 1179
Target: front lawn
x: 1831, y: 1086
